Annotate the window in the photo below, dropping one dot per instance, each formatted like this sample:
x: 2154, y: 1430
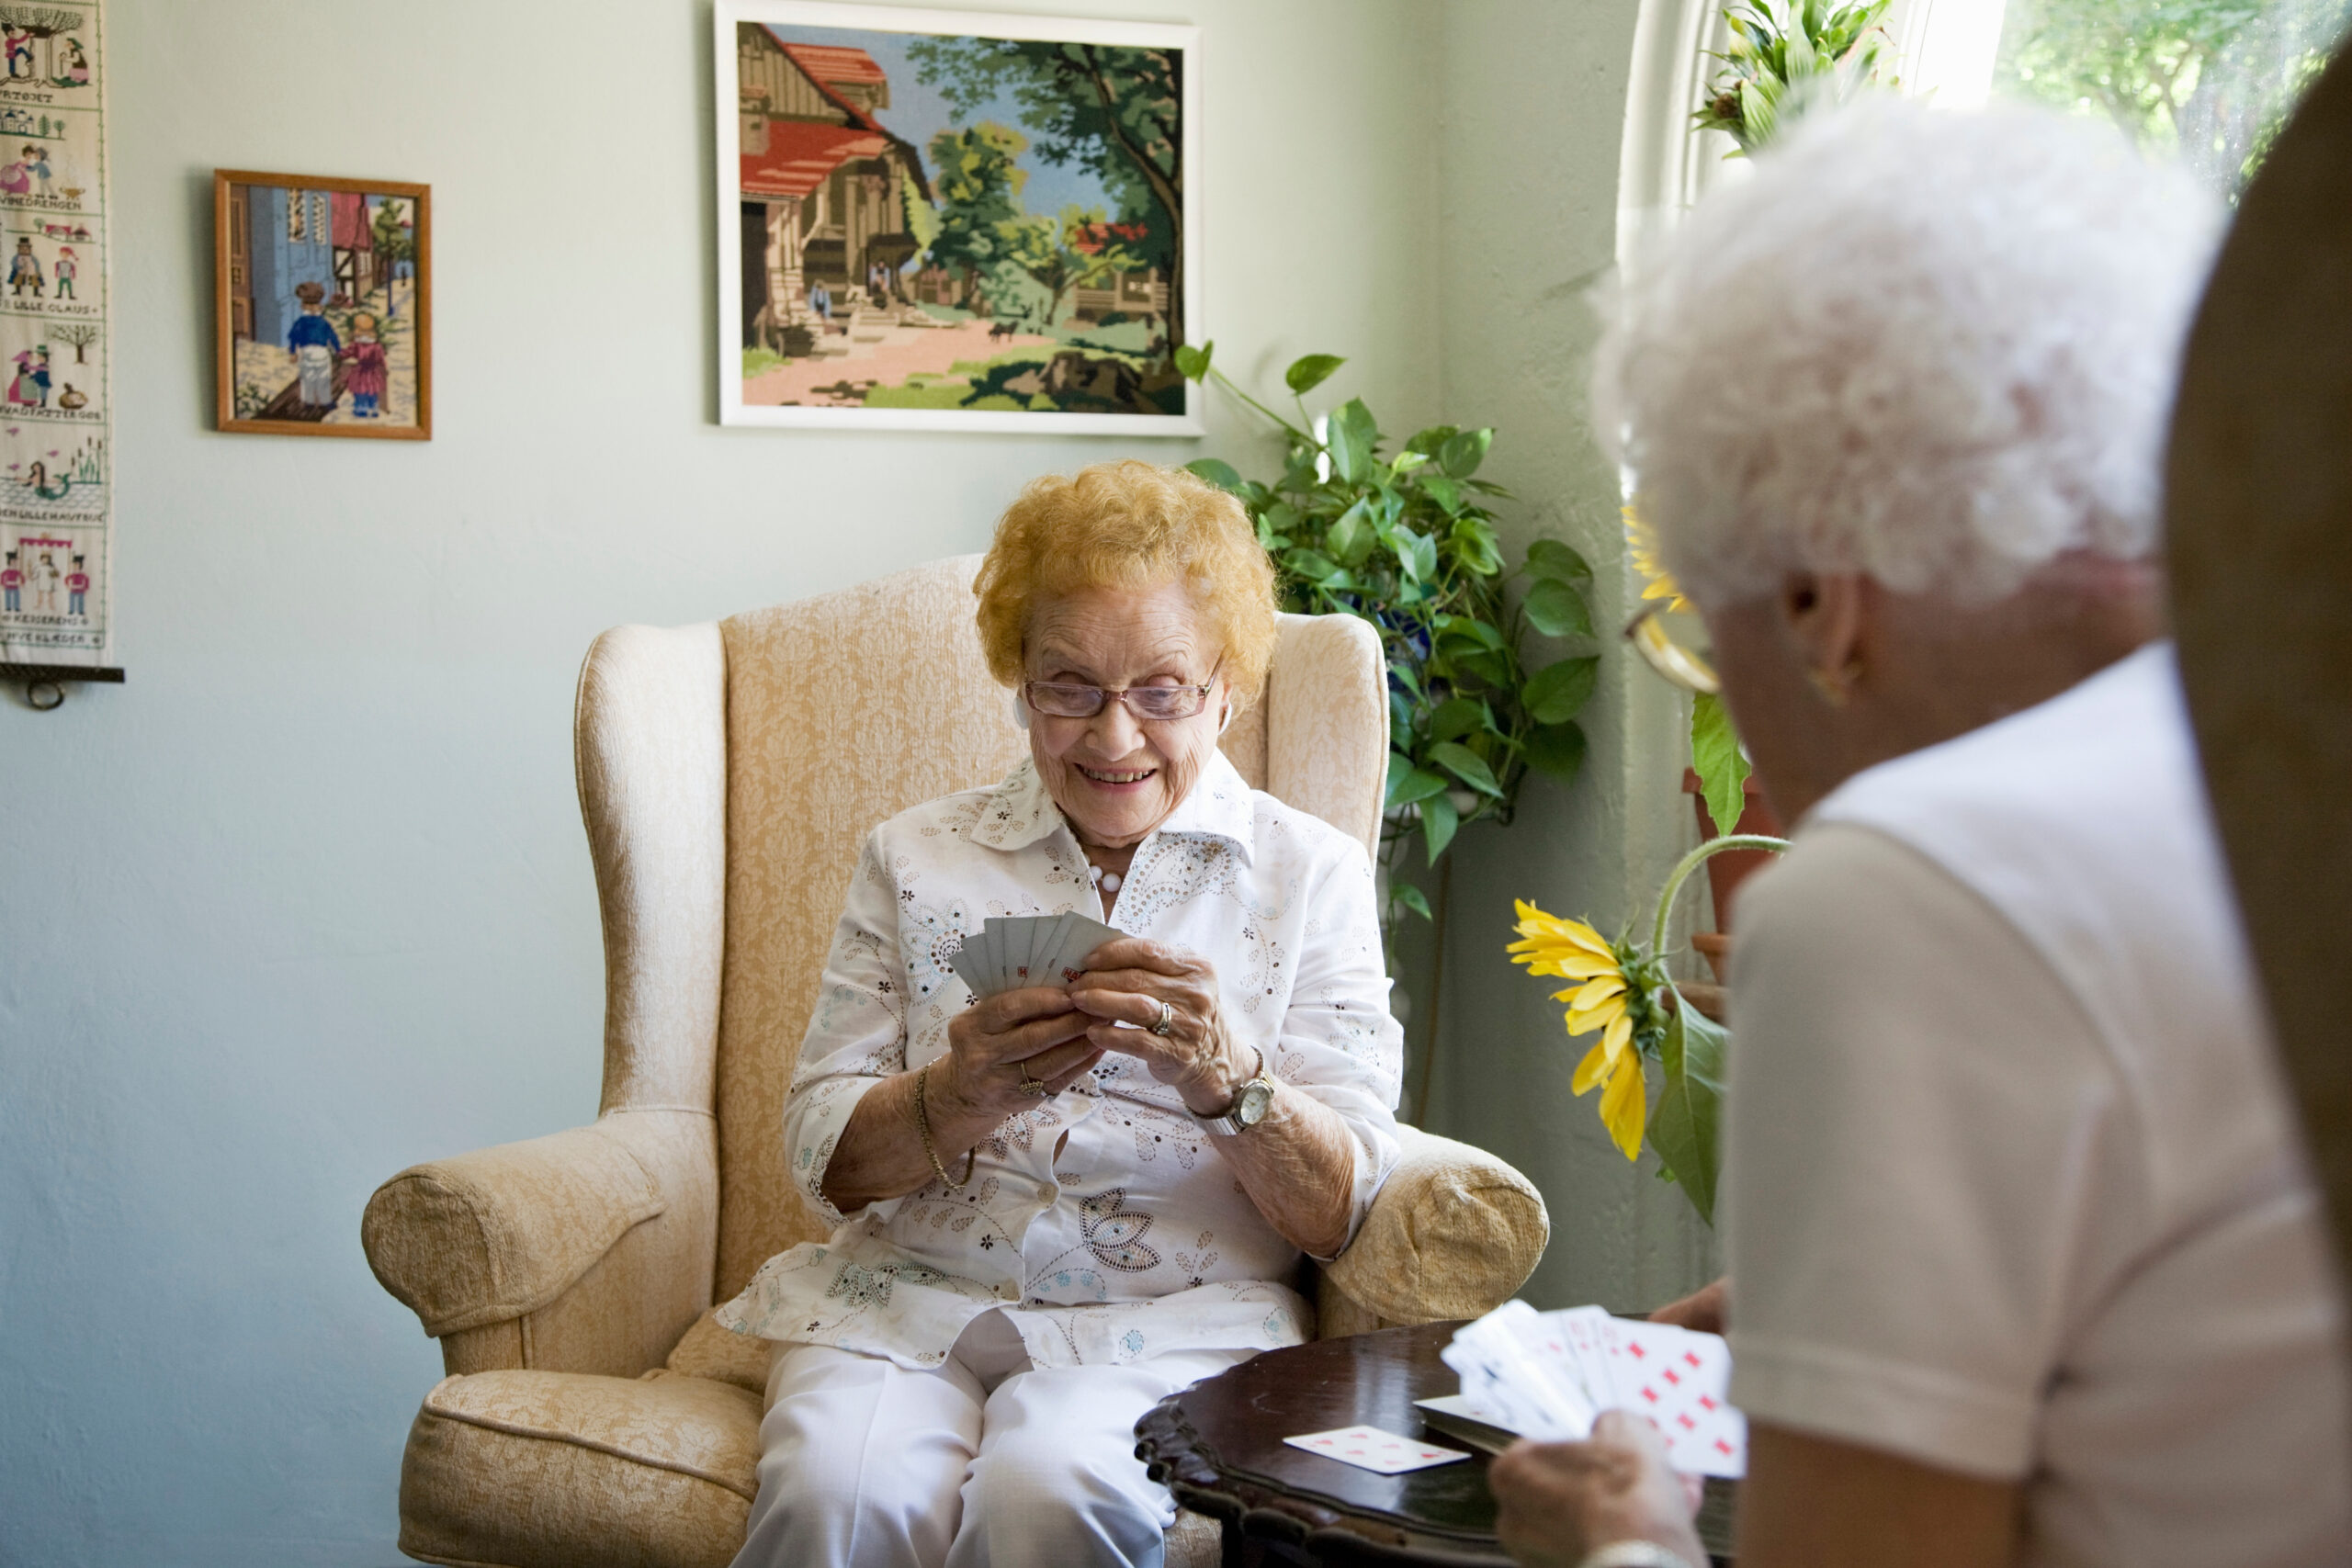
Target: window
x: 2211, y: 80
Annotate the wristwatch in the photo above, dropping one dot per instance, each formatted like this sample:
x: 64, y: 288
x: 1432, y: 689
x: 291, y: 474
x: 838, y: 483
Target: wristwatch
x: 1251, y: 1103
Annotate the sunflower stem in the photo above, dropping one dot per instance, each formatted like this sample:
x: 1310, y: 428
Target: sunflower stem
x: 1691, y: 863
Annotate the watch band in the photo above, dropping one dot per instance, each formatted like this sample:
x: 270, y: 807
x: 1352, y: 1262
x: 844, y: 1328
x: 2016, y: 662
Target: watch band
x: 1631, y: 1554
x: 1228, y: 1123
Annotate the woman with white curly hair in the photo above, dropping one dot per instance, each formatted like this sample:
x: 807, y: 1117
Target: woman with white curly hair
x: 2025, y: 1265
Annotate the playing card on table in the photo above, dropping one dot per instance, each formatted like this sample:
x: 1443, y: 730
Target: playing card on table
x: 1369, y: 1448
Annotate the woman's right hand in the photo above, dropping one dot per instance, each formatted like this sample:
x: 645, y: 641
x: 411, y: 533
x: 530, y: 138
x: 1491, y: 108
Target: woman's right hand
x: 1036, y: 1034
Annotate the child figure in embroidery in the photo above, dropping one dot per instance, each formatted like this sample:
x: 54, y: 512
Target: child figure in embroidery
x: 66, y: 270
x: 316, y: 346
x: 77, y: 588
x: 369, y: 371
x: 12, y: 585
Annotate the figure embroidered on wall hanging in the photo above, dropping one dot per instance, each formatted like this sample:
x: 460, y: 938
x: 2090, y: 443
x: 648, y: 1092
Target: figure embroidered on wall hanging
x: 943, y: 220
x: 56, y: 597
x: 324, y: 305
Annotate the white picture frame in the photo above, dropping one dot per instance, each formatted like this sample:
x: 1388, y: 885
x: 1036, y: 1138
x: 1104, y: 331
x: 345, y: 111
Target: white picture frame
x: 803, y: 204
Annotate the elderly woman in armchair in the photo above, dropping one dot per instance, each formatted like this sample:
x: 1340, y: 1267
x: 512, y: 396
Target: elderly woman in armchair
x: 1054, y: 1206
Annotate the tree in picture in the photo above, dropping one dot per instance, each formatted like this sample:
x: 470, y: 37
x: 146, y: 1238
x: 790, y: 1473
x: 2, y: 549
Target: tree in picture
x: 1404, y: 540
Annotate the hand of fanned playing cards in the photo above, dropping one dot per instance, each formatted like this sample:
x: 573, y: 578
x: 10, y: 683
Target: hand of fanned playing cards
x: 1547, y: 1375
x: 1009, y: 952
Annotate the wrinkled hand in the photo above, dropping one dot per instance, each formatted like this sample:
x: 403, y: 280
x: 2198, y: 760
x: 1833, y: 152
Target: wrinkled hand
x: 1707, y: 1309
x: 1126, y: 981
x: 1034, y: 1032
x: 1558, y: 1501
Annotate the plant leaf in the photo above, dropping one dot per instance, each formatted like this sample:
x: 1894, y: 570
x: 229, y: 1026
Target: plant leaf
x: 1416, y: 553
x: 1350, y: 538
x: 1557, y: 692
x: 1312, y: 565
x: 1466, y: 765
x: 1438, y: 820
x: 1684, y: 1123
x: 1716, y: 758
x: 1405, y: 893
x: 1557, y: 610
x: 1556, y: 749
x: 1461, y: 454
x: 1475, y: 543
x: 1457, y: 717
x: 1309, y: 371
x: 1550, y: 560
x: 1218, y: 472
x: 1353, y: 434
x: 1194, y: 362
x: 1418, y: 784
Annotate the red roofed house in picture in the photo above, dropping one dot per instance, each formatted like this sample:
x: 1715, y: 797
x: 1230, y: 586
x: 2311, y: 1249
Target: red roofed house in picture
x: 961, y: 231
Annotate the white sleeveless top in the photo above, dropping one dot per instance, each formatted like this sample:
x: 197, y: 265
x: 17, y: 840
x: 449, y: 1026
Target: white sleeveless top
x: 2012, y: 1182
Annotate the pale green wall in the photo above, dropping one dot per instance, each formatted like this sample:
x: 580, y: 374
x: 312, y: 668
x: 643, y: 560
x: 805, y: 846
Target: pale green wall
x: 1535, y: 95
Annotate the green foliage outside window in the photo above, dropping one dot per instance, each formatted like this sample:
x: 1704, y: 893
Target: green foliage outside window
x: 1404, y: 539
x: 2211, y: 80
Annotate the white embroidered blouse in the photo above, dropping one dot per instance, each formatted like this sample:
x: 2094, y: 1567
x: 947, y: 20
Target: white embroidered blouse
x: 1105, y: 1221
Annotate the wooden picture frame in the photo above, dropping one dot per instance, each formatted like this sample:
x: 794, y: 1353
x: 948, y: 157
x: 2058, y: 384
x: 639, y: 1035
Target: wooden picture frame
x: 354, y: 257
x: 851, y: 292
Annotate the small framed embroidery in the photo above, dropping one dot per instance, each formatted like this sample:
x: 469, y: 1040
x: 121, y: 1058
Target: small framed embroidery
x: 323, y: 303
x: 955, y: 219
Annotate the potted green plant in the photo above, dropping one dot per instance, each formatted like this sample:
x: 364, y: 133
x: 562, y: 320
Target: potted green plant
x: 1399, y: 534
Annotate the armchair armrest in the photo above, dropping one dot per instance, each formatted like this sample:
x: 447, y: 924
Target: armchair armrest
x: 1453, y: 1234
x: 489, y: 1236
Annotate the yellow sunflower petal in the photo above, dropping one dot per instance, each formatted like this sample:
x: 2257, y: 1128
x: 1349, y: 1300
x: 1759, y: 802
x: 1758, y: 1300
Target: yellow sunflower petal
x: 1625, y: 1107
x: 1603, y: 987
x: 1605, y: 1014
x: 1590, y: 1071
x: 1617, y: 1035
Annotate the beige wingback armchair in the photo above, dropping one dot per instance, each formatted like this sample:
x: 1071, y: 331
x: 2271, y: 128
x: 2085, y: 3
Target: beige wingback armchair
x: 593, y: 1413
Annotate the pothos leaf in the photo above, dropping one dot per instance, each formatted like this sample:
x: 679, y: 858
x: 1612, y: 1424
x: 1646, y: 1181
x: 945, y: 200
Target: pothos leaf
x: 1194, y: 362
x: 1557, y: 610
x: 1716, y: 758
x: 1466, y: 765
x: 1438, y: 820
x: 1684, y: 1125
x: 1218, y: 472
x: 1556, y: 749
x: 1412, y: 899
x: 1558, y: 692
x: 1310, y: 371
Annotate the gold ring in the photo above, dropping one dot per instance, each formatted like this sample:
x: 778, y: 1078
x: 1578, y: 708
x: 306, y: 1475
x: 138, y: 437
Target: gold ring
x: 1167, y: 1019
x: 1034, y: 1087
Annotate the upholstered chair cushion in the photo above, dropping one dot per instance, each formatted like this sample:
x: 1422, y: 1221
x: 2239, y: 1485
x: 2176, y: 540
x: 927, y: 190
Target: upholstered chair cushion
x: 553, y: 1470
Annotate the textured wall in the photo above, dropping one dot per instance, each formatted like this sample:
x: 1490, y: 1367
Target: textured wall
x: 1534, y: 101
x: 308, y: 899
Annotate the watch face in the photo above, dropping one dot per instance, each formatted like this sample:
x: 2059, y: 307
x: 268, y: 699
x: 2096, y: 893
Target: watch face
x: 1256, y: 1099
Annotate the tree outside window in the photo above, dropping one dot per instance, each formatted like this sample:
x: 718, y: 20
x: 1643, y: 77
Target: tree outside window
x: 2211, y: 80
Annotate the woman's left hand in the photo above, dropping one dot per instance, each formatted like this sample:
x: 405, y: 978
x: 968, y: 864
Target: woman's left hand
x: 1128, y: 981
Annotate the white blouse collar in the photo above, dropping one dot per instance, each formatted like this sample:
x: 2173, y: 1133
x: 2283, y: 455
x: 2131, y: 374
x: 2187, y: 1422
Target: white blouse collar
x: 1019, y: 812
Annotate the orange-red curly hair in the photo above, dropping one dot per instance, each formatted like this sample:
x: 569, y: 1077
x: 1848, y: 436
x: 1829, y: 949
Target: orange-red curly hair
x: 1129, y: 525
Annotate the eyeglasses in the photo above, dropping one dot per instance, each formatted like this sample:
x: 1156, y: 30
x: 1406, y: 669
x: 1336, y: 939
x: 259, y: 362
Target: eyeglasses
x: 1055, y: 700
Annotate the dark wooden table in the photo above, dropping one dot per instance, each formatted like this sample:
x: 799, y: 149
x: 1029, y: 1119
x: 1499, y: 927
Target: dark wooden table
x: 1218, y: 1446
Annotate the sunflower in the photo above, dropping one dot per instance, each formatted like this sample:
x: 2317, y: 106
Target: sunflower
x: 1640, y: 549
x: 1602, y: 999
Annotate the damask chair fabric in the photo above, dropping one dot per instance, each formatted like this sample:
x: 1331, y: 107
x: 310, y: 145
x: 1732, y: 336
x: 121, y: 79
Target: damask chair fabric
x: 594, y: 1415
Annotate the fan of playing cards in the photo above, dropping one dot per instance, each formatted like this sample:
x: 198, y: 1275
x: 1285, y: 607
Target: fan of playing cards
x: 1548, y: 1375
x: 1007, y: 953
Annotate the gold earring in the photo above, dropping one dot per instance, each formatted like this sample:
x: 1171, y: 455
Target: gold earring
x: 1837, y: 690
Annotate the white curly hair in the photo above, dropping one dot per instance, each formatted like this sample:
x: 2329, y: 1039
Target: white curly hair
x: 1935, y: 348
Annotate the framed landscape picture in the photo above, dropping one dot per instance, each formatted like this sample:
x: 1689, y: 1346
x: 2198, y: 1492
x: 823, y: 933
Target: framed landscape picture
x: 954, y: 220
x: 322, y: 305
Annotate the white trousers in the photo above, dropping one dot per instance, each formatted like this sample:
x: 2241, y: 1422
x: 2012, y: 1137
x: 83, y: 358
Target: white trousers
x: 985, y: 1461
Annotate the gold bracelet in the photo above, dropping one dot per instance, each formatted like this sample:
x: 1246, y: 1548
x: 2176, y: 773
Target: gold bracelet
x: 922, y: 1126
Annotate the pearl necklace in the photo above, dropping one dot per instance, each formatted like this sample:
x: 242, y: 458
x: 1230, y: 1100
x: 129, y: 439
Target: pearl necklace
x: 1106, y: 880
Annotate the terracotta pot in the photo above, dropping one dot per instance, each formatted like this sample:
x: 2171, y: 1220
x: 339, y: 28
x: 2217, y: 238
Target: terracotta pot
x: 1725, y: 871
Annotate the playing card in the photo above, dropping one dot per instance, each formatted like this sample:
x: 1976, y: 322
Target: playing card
x: 1681, y: 1380
x: 1085, y: 934
x: 1369, y: 1448
x: 1590, y: 1333
x: 1046, y: 959
x: 991, y: 945
x: 1513, y: 1361
x: 968, y: 965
